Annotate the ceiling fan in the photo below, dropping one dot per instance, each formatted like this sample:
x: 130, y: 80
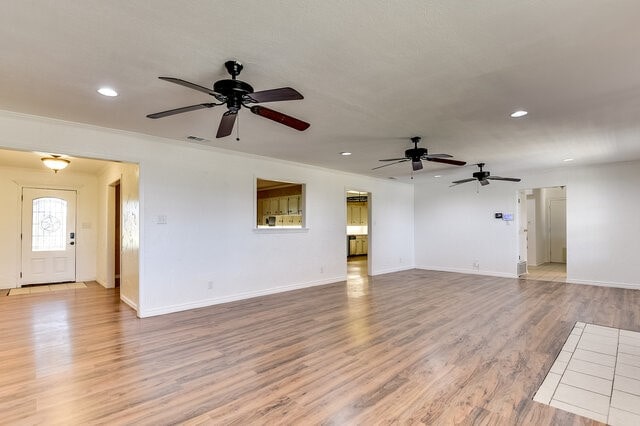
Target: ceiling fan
x: 483, y: 177
x: 236, y: 94
x: 415, y: 155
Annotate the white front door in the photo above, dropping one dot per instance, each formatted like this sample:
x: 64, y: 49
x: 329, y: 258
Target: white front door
x: 48, y: 236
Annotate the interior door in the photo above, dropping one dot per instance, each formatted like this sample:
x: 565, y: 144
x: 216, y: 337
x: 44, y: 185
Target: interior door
x: 558, y: 230
x: 48, y: 236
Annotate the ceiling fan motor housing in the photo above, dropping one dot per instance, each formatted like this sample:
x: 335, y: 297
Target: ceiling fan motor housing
x: 233, y: 90
x: 415, y: 153
x: 481, y: 175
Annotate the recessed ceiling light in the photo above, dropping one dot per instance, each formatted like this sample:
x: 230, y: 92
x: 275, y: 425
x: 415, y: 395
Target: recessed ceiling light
x: 519, y: 113
x: 345, y: 153
x: 437, y: 176
x: 107, y: 91
x: 566, y: 160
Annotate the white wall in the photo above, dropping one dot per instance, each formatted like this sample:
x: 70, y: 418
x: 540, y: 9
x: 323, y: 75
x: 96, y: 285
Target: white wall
x: 532, y: 228
x: 603, y: 225
x: 208, y: 199
x: 11, y: 182
x: 456, y: 225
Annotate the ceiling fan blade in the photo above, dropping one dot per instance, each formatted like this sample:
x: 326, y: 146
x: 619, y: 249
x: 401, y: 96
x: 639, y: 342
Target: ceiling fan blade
x: 279, y: 117
x: 436, y: 156
x: 504, y: 178
x: 226, y: 124
x: 394, y: 159
x: 180, y: 110
x: 391, y: 164
x: 484, y: 182
x: 458, y: 182
x: 273, y: 95
x: 447, y: 161
x: 191, y: 86
x: 416, y: 165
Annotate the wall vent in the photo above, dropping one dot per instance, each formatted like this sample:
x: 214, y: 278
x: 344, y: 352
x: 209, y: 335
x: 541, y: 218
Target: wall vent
x: 522, y: 268
x: 197, y: 139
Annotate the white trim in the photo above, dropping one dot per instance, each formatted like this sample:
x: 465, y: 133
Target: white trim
x: 282, y: 230
x: 469, y: 271
x: 391, y: 270
x: 130, y: 303
x: 105, y: 285
x: 604, y: 284
x: 234, y: 297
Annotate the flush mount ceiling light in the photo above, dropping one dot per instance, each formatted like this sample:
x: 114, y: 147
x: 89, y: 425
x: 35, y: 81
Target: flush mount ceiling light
x: 566, y: 160
x: 107, y: 91
x: 345, y: 153
x: 55, y: 163
x: 437, y: 176
x: 518, y: 114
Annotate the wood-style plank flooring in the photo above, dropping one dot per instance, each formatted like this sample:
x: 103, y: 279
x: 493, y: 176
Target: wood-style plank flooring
x: 547, y: 272
x: 408, y: 347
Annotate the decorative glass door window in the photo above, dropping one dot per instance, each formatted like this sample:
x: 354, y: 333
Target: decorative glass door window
x: 49, y: 225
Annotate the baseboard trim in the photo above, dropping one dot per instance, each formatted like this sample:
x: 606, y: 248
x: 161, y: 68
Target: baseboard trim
x: 391, y: 270
x: 103, y: 284
x: 129, y: 302
x: 468, y: 271
x: 604, y: 284
x: 235, y: 297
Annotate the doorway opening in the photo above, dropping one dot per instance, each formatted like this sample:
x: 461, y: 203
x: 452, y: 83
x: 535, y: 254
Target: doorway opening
x: 543, y: 234
x: 358, y: 238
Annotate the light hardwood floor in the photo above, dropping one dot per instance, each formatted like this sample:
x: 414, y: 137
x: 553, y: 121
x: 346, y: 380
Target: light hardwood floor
x: 547, y: 272
x: 408, y: 347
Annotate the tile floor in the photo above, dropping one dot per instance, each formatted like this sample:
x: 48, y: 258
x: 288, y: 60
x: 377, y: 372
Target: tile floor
x: 596, y: 375
x: 547, y: 272
x: 45, y: 288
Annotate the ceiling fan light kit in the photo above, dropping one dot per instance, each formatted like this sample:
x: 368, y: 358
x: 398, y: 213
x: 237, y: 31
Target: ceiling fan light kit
x: 236, y: 94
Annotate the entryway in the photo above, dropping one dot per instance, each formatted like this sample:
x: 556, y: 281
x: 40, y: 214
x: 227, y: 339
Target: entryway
x: 357, y: 232
x: 543, y: 233
x: 48, y: 236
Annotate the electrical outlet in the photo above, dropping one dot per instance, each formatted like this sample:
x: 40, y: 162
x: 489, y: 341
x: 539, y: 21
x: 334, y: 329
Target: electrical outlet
x: 400, y: 260
x: 322, y: 269
x: 476, y: 265
x: 210, y: 285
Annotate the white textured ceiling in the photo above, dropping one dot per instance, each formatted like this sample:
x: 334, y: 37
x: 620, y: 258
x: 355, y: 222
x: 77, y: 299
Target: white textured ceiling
x: 373, y: 73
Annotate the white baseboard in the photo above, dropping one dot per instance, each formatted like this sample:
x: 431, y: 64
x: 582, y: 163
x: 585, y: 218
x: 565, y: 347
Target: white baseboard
x: 129, y: 302
x: 103, y: 284
x: 391, y: 270
x: 144, y: 313
x: 604, y: 284
x: 468, y: 271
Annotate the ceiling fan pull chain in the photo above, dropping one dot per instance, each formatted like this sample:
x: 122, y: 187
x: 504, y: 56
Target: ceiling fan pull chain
x: 238, y: 128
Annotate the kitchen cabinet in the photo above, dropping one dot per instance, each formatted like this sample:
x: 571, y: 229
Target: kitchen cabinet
x: 358, y: 245
x: 283, y: 205
x: 357, y: 214
x: 285, y: 211
x: 294, y: 204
